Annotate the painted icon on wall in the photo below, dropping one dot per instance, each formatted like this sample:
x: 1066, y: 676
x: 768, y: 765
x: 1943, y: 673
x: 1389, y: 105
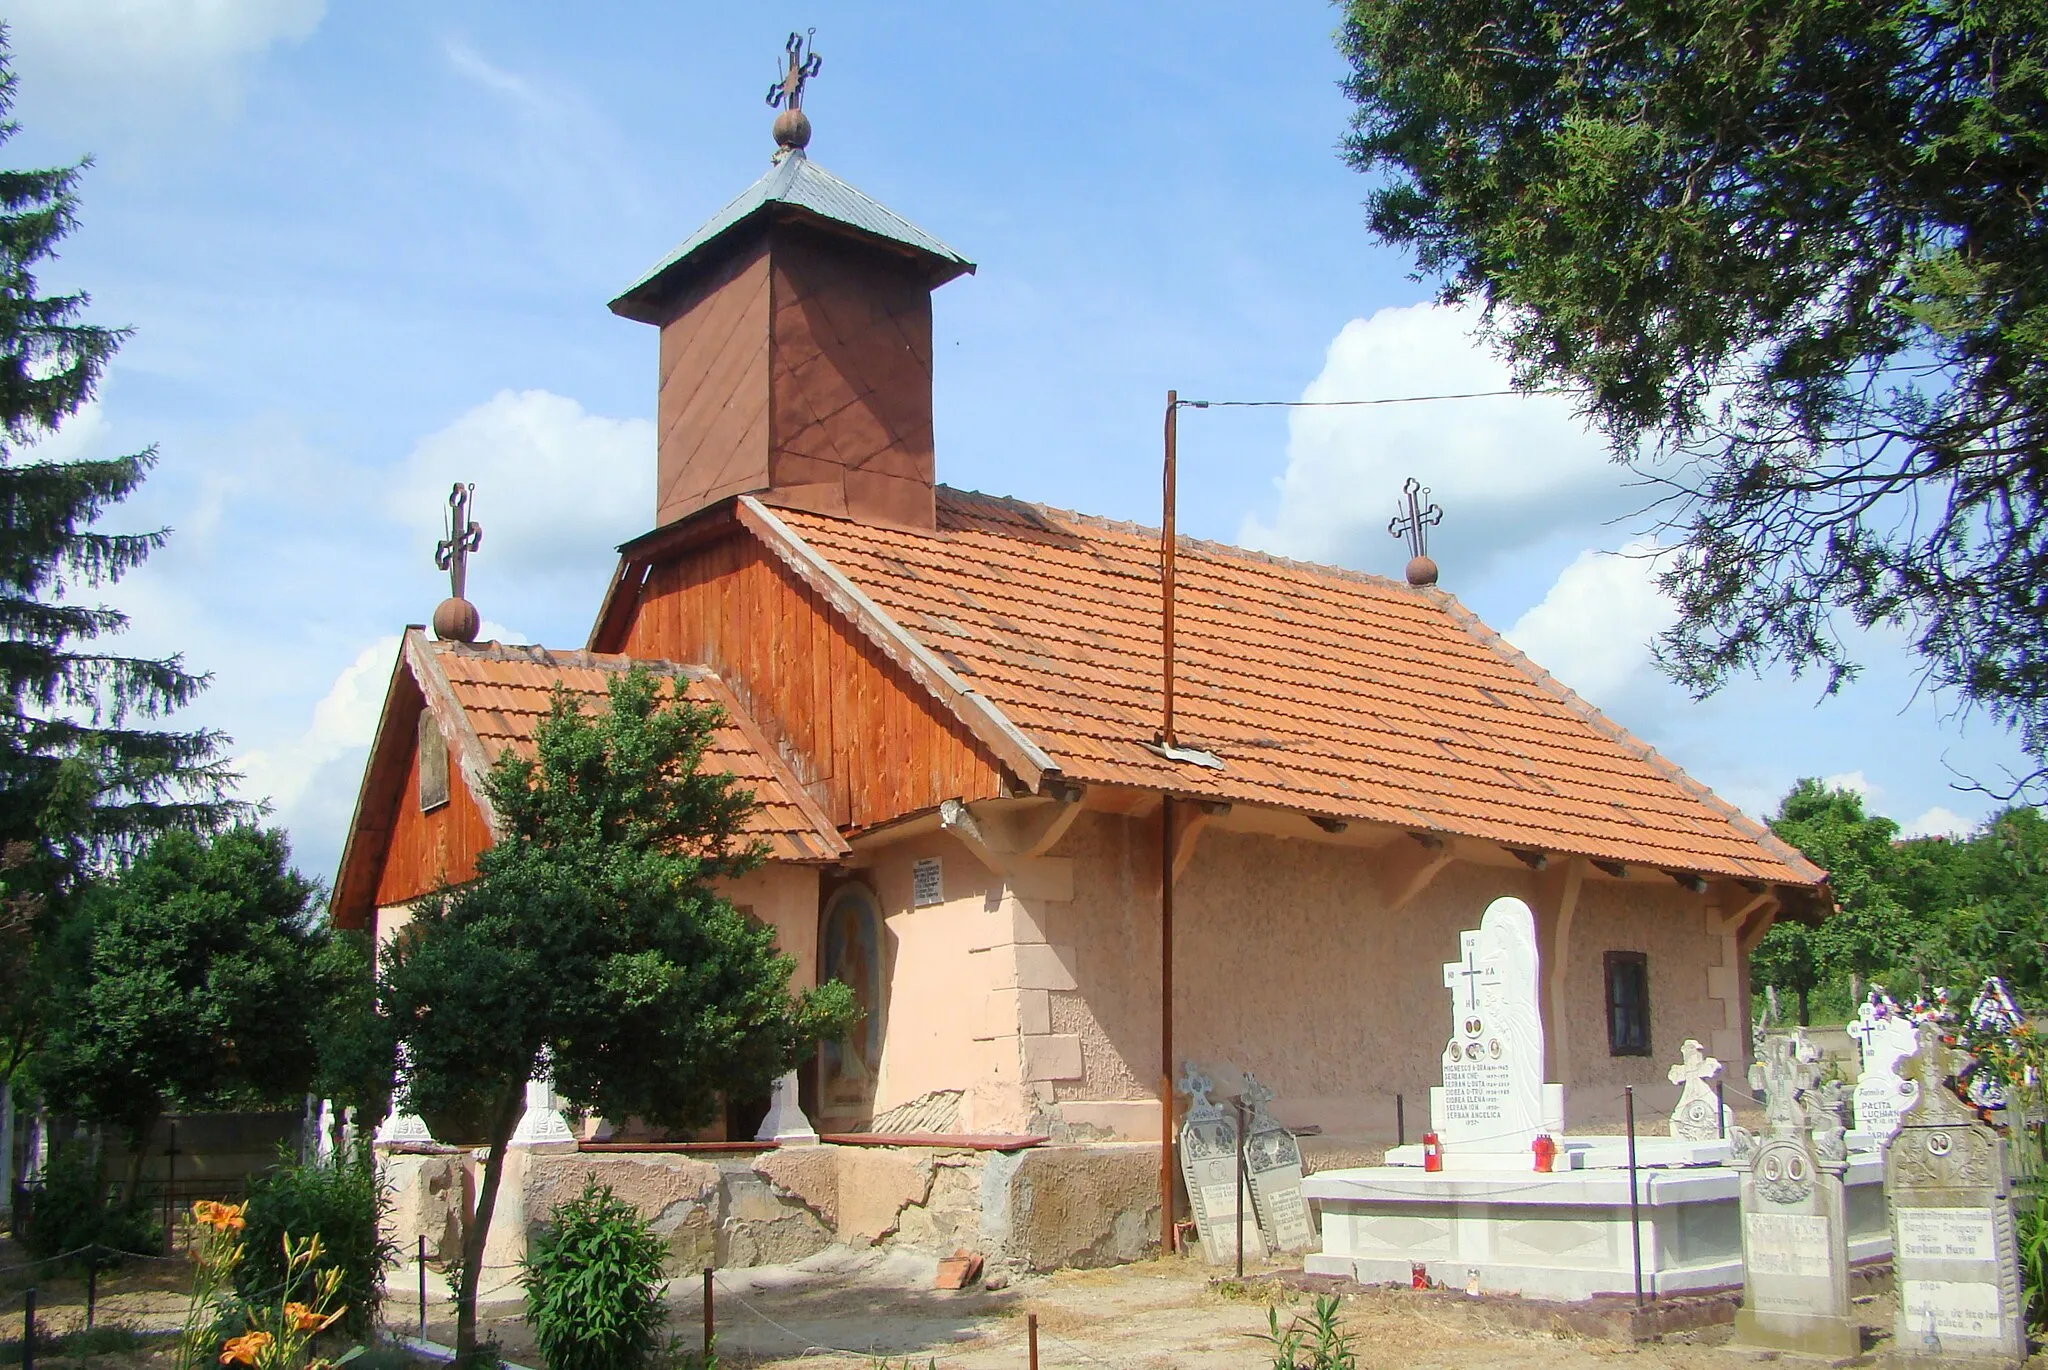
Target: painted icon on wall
x: 850, y: 952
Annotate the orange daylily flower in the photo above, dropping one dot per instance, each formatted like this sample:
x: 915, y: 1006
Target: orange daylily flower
x: 244, y: 1349
x: 304, y: 1319
x: 219, y: 1216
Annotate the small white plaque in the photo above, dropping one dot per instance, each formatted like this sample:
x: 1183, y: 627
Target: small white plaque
x: 1787, y: 1244
x: 1959, y: 1308
x: 1946, y: 1234
x: 927, y: 885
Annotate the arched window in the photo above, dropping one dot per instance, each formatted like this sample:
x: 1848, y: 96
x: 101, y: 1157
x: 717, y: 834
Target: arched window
x: 850, y: 951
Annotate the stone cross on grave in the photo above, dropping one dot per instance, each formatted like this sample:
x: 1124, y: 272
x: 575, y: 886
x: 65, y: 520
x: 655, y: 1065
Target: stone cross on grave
x: 1787, y: 1067
x: 1256, y: 1096
x: 1698, y: 1115
x: 465, y: 535
x: 1197, y: 1087
x: 1465, y: 978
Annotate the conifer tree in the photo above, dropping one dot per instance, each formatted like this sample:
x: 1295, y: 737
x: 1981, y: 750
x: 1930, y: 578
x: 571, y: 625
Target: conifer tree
x: 87, y: 772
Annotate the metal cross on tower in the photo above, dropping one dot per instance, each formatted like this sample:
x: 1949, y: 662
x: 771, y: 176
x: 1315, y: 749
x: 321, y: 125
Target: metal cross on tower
x: 1414, y: 524
x: 465, y: 535
x: 803, y: 65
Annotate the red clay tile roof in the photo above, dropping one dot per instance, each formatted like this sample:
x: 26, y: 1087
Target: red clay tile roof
x: 504, y: 693
x: 1322, y: 690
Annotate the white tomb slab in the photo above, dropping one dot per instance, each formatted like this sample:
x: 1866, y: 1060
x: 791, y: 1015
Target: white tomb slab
x: 1560, y: 1236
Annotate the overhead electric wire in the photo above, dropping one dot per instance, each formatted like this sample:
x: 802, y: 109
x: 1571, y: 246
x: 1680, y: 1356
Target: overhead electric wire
x: 1353, y: 404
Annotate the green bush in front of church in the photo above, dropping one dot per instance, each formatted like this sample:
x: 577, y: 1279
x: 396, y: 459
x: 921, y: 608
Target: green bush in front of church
x: 594, y: 1283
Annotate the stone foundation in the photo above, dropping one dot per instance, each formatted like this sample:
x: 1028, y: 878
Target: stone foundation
x: 1042, y: 1208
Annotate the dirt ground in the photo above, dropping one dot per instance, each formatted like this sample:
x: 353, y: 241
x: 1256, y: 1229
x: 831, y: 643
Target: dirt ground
x: 855, y: 1310
x: 848, y: 1309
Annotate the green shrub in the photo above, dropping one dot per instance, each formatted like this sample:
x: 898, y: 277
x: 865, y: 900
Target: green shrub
x: 2033, y: 1235
x: 1315, y: 1341
x: 594, y: 1285
x: 343, y: 1204
x: 77, y: 1215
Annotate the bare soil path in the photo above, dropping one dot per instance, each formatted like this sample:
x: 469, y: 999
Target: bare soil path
x: 850, y: 1309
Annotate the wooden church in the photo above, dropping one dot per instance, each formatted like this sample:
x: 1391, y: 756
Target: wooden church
x: 948, y: 705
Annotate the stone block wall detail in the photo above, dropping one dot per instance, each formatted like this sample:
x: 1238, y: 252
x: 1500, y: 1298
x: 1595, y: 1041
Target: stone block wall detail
x: 1038, y: 1209
x: 1021, y: 1056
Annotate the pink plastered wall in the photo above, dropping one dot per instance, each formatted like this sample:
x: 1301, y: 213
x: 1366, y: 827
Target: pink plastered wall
x: 1035, y: 993
x: 785, y: 897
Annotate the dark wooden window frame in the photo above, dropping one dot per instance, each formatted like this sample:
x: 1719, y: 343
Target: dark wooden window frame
x: 1637, y: 965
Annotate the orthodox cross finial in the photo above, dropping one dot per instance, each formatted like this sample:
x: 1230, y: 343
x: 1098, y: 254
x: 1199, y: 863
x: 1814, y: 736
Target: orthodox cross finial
x: 1414, y: 525
x: 793, y: 126
x: 456, y: 619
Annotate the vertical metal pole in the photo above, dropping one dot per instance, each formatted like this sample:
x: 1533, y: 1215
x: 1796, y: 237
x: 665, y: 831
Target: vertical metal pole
x: 422, y: 1269
x: 1031, y: 1334
x: 170, y: 1183
x: 1721, y: 1109
x: 1635, y: 1223
x: 1400, y: 1121
x: 1167, y: 1243
x: 710, y: 1320
x: 28, y: 1330
x: 92, y: 1292
x: 1166, y: 555
x: 1240, y: 1188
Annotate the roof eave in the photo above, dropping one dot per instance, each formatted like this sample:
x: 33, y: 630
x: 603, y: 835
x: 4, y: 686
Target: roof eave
x: 645, y: 301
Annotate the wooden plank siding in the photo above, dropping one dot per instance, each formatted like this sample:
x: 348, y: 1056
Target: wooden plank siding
x: 869, y: 743
x: 427, y: 848
x: 712, y: 406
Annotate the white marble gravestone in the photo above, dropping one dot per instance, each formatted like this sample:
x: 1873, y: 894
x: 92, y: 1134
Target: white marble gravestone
x: 1955, y: 1258
x: 1494, y: 1100
x: 1794, y: 1207
x: 1208, y: 1167
x: 1273, y: 1166
x: 1700, y: 1115
x: 1884, y: 1037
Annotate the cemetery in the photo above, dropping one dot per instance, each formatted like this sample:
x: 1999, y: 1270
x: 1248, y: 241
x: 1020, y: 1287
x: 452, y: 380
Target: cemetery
x: 1016, y: 795
x: 903, y: 923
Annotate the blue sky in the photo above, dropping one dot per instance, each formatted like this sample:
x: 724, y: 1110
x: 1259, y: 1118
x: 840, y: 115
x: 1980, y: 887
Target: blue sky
x: 366, y: 250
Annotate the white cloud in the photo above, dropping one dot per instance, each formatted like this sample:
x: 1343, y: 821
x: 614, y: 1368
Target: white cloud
x: 85, y: 434
x: 1594, y: 628
x: 1856, y: 782
x: 1509, y: 471
x: 98, y: 58
x: 343, y: 721
x: 474, y: 66
x: 556, y: 487
x: 1938, y: 822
